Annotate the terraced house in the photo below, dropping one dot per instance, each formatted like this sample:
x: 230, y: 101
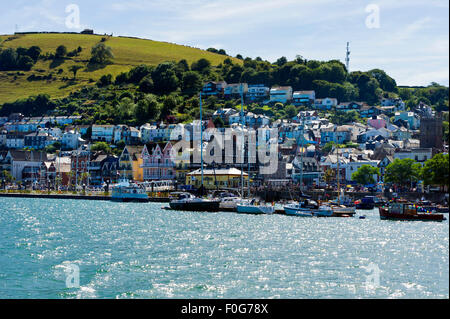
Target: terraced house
x: 130, y: 163
x: 158, y: 164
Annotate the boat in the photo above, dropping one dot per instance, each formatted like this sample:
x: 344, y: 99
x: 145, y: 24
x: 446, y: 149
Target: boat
x: 338, y: 208
x: 426, y: 205
x: 367, y: 203
x: 229, y: 203
x: 253, y: 207
x: 308, y: 208
x: 124, y: 191
x: 403, y: 210
x: 228, y: 200
x: 188, y: 202
x: 344, y: 200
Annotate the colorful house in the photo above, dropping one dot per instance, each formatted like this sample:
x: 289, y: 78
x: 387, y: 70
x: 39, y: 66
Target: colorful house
x: 158, y: 164
x: 130, y: 163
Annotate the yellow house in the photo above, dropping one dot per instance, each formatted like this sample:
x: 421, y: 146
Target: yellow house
x: 226, y: 178
x: 130, y: 162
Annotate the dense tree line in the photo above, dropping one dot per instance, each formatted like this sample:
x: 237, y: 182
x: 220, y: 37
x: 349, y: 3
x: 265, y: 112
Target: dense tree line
x: 19, y: 58
x: 169, y: 91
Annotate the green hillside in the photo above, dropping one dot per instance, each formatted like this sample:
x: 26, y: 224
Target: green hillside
x: 128, y: 52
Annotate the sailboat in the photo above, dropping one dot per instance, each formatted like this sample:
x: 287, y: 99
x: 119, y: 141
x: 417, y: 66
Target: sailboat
x: 307, y: 207
x: 250, y: 206
x: 338, y: 207
x: 189, y: 202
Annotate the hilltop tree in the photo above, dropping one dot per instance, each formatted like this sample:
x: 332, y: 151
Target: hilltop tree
x: 34, y: 52
x: 202, y: 66
x: 74, y: 69
x: 101, y: 54
x: 61, y: 52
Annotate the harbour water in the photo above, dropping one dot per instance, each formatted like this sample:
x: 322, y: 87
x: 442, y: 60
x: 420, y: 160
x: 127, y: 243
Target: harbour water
x: 138, y: 250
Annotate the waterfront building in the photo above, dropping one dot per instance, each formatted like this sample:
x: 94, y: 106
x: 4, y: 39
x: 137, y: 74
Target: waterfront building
x: 130, y: 163
x: 158, y: 164
x: 25, y: 165
x: 223, y: 178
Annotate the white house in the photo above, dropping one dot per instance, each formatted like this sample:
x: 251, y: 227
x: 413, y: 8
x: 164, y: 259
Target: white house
x: 420, y: 155
x: 71, y: 140
x: 28, y: 162
x: 235, y: 89
x: 103, y: 133
x: 282, y: 94
x: 148, y: 133
x: 15, y: 140
x: 352, y: 167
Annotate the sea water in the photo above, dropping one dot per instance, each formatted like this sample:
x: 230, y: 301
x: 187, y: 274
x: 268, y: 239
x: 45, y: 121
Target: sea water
x: 52, y: 248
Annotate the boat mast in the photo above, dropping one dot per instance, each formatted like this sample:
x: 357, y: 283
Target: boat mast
x: 243, y: 150
x: 338, y: 175
x: 301, y: 153
x: 201, y: 140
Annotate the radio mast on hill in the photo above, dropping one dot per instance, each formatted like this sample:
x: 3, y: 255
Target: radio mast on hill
x: 347, y: 57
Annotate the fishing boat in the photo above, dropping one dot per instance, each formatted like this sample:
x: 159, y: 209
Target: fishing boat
x: 308, y: 208
x: 188, y: 202
x: 403, y: 210
x: 253, y: 207
x: 426, y: 205
x: 124, y: 191
x: 366, y: 203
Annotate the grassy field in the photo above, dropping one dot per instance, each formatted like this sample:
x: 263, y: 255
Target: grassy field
x: 128, y: 52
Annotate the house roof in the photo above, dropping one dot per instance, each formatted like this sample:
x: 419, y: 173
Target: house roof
x: 222, y: 171
x: 28, y: 156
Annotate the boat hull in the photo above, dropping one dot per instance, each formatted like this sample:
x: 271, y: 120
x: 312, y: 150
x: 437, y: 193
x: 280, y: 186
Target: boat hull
x: 300, y: 212
x: 386, y: 215
x: 213, y: 206
x: 365, y: 206
x: 136, y: 198
x: 255, y: 210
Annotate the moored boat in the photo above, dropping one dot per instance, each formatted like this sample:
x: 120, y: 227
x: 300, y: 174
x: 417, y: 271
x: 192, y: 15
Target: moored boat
x: 308, y: 208
x: 188, y: 202
x: 402, y: 210
x: 366, y: 203
x: 125, y: 191
x: 253, y: 207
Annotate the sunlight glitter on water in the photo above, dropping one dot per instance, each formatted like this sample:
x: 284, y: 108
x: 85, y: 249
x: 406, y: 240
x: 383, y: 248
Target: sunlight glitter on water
x: 141, y: 251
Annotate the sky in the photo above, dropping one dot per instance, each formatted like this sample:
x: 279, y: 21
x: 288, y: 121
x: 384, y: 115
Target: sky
x: 409, y: 39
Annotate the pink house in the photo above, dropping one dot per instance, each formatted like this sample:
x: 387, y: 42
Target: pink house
x: 377, y: 122
x: 159, y: 164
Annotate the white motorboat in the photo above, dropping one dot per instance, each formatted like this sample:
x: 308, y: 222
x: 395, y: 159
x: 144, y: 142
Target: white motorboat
x: 252, y: 207
x: 125, y: 191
